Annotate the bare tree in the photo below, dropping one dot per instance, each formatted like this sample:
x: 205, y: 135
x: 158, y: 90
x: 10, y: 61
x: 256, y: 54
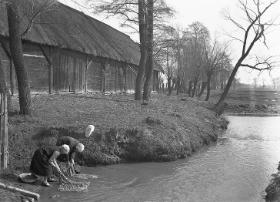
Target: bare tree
x: 196, y: 37
x: 253, y: 31
x: 167, y: 52
x: 18, y: 28
x: 143, y: 59
x: 17, y: 56
x: 135, y: 15
x: 150, y: 60
x: 216, y: 60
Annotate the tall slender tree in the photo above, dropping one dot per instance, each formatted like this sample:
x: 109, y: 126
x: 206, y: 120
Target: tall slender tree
x: 143, y: 51
x: 217, y: 60
x: 30, y: 10
x: 135, y: 16
x: 150, y: 60
x: 17, y: 57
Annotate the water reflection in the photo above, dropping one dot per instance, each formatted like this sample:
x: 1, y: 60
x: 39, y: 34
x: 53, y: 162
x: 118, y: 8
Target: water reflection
x: 236, y: 169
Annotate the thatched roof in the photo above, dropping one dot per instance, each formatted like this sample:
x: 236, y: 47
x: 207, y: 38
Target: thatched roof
x: 64, y: 27
x: 68, y: 28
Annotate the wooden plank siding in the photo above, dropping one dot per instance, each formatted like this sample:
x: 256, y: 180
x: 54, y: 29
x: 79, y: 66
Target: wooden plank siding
x: 72, y: 71
x: 37, y: 73
x: 130, y: 78
x: 69, y: 71
x: 94, y: 77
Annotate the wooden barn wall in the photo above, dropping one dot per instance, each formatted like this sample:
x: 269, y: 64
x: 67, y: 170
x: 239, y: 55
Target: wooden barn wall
x: 109, y: 77
x: 5, y: 65
x: 37, y: 69
x: 69, y: 71
x: 114, y: 77
x: 120, y: 80
x: 130, y: 78
x: 94, y: 76
x: 36, y: 66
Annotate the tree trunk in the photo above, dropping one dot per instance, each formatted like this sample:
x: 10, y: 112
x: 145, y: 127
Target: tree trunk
x: 220, y: 104
x: 149, y: 64
x: 178, y: 85
x: 179, y: 64
x: 194, y: 88
x: 12, y: 84
x: 17, y: 56
x: 204, y: 84
x: 208, y: 87
x: 190, y: 88
x: 3, y: 84
x: 169, y: 85
x: 222, y: 85
x: 4, y: 99
x: 143, y: 51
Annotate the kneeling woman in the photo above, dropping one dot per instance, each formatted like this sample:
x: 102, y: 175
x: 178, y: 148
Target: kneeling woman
x: 44, y: 159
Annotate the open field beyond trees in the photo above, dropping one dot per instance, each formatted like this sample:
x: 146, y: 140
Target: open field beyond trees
x: 251, y: 101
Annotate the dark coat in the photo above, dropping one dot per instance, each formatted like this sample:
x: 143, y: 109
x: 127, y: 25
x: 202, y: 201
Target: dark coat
x: 40, y: 161
x: 72, y: 143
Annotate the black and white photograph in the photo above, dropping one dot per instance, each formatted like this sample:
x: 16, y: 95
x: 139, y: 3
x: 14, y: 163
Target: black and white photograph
x: 140, y: 100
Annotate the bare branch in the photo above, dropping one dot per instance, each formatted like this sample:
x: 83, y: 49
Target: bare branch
x: 37, y: 8
x: 235, y: 23
x: 261, y: 65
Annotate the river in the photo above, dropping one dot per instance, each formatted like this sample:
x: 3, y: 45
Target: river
x: 236, y: 169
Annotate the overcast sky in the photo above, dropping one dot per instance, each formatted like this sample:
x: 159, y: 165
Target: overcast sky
x: 211, y: 13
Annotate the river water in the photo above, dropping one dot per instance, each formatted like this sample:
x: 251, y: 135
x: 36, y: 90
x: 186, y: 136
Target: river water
x: 236, y: 169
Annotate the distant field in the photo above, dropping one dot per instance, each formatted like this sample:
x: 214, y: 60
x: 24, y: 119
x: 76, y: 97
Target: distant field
x: 250, y: 98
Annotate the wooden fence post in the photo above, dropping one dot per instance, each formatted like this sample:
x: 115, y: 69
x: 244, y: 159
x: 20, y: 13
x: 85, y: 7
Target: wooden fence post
x: 3, y: 130
x: 3, y: 120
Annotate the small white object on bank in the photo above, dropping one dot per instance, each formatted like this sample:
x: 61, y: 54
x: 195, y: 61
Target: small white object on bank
x: 89, y: 130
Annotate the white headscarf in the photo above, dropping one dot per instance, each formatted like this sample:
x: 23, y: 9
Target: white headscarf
x: 66, y: 148
x: 80, y: 147
x: 89, y: 130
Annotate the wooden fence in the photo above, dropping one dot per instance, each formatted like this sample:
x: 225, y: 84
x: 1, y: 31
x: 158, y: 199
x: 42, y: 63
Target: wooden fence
x: 3, y: 131
x: 3, y: 121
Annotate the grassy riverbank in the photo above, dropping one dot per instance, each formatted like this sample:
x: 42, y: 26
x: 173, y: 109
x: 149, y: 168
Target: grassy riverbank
x: 167, y: 129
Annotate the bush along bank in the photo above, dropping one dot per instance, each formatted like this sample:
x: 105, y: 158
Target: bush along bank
x: 161, y: 131
x: 273, y: 189
x: 155, y: 140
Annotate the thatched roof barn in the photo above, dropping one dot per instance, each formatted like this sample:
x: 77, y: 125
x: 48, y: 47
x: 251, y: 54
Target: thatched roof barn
x: 67, y: 50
